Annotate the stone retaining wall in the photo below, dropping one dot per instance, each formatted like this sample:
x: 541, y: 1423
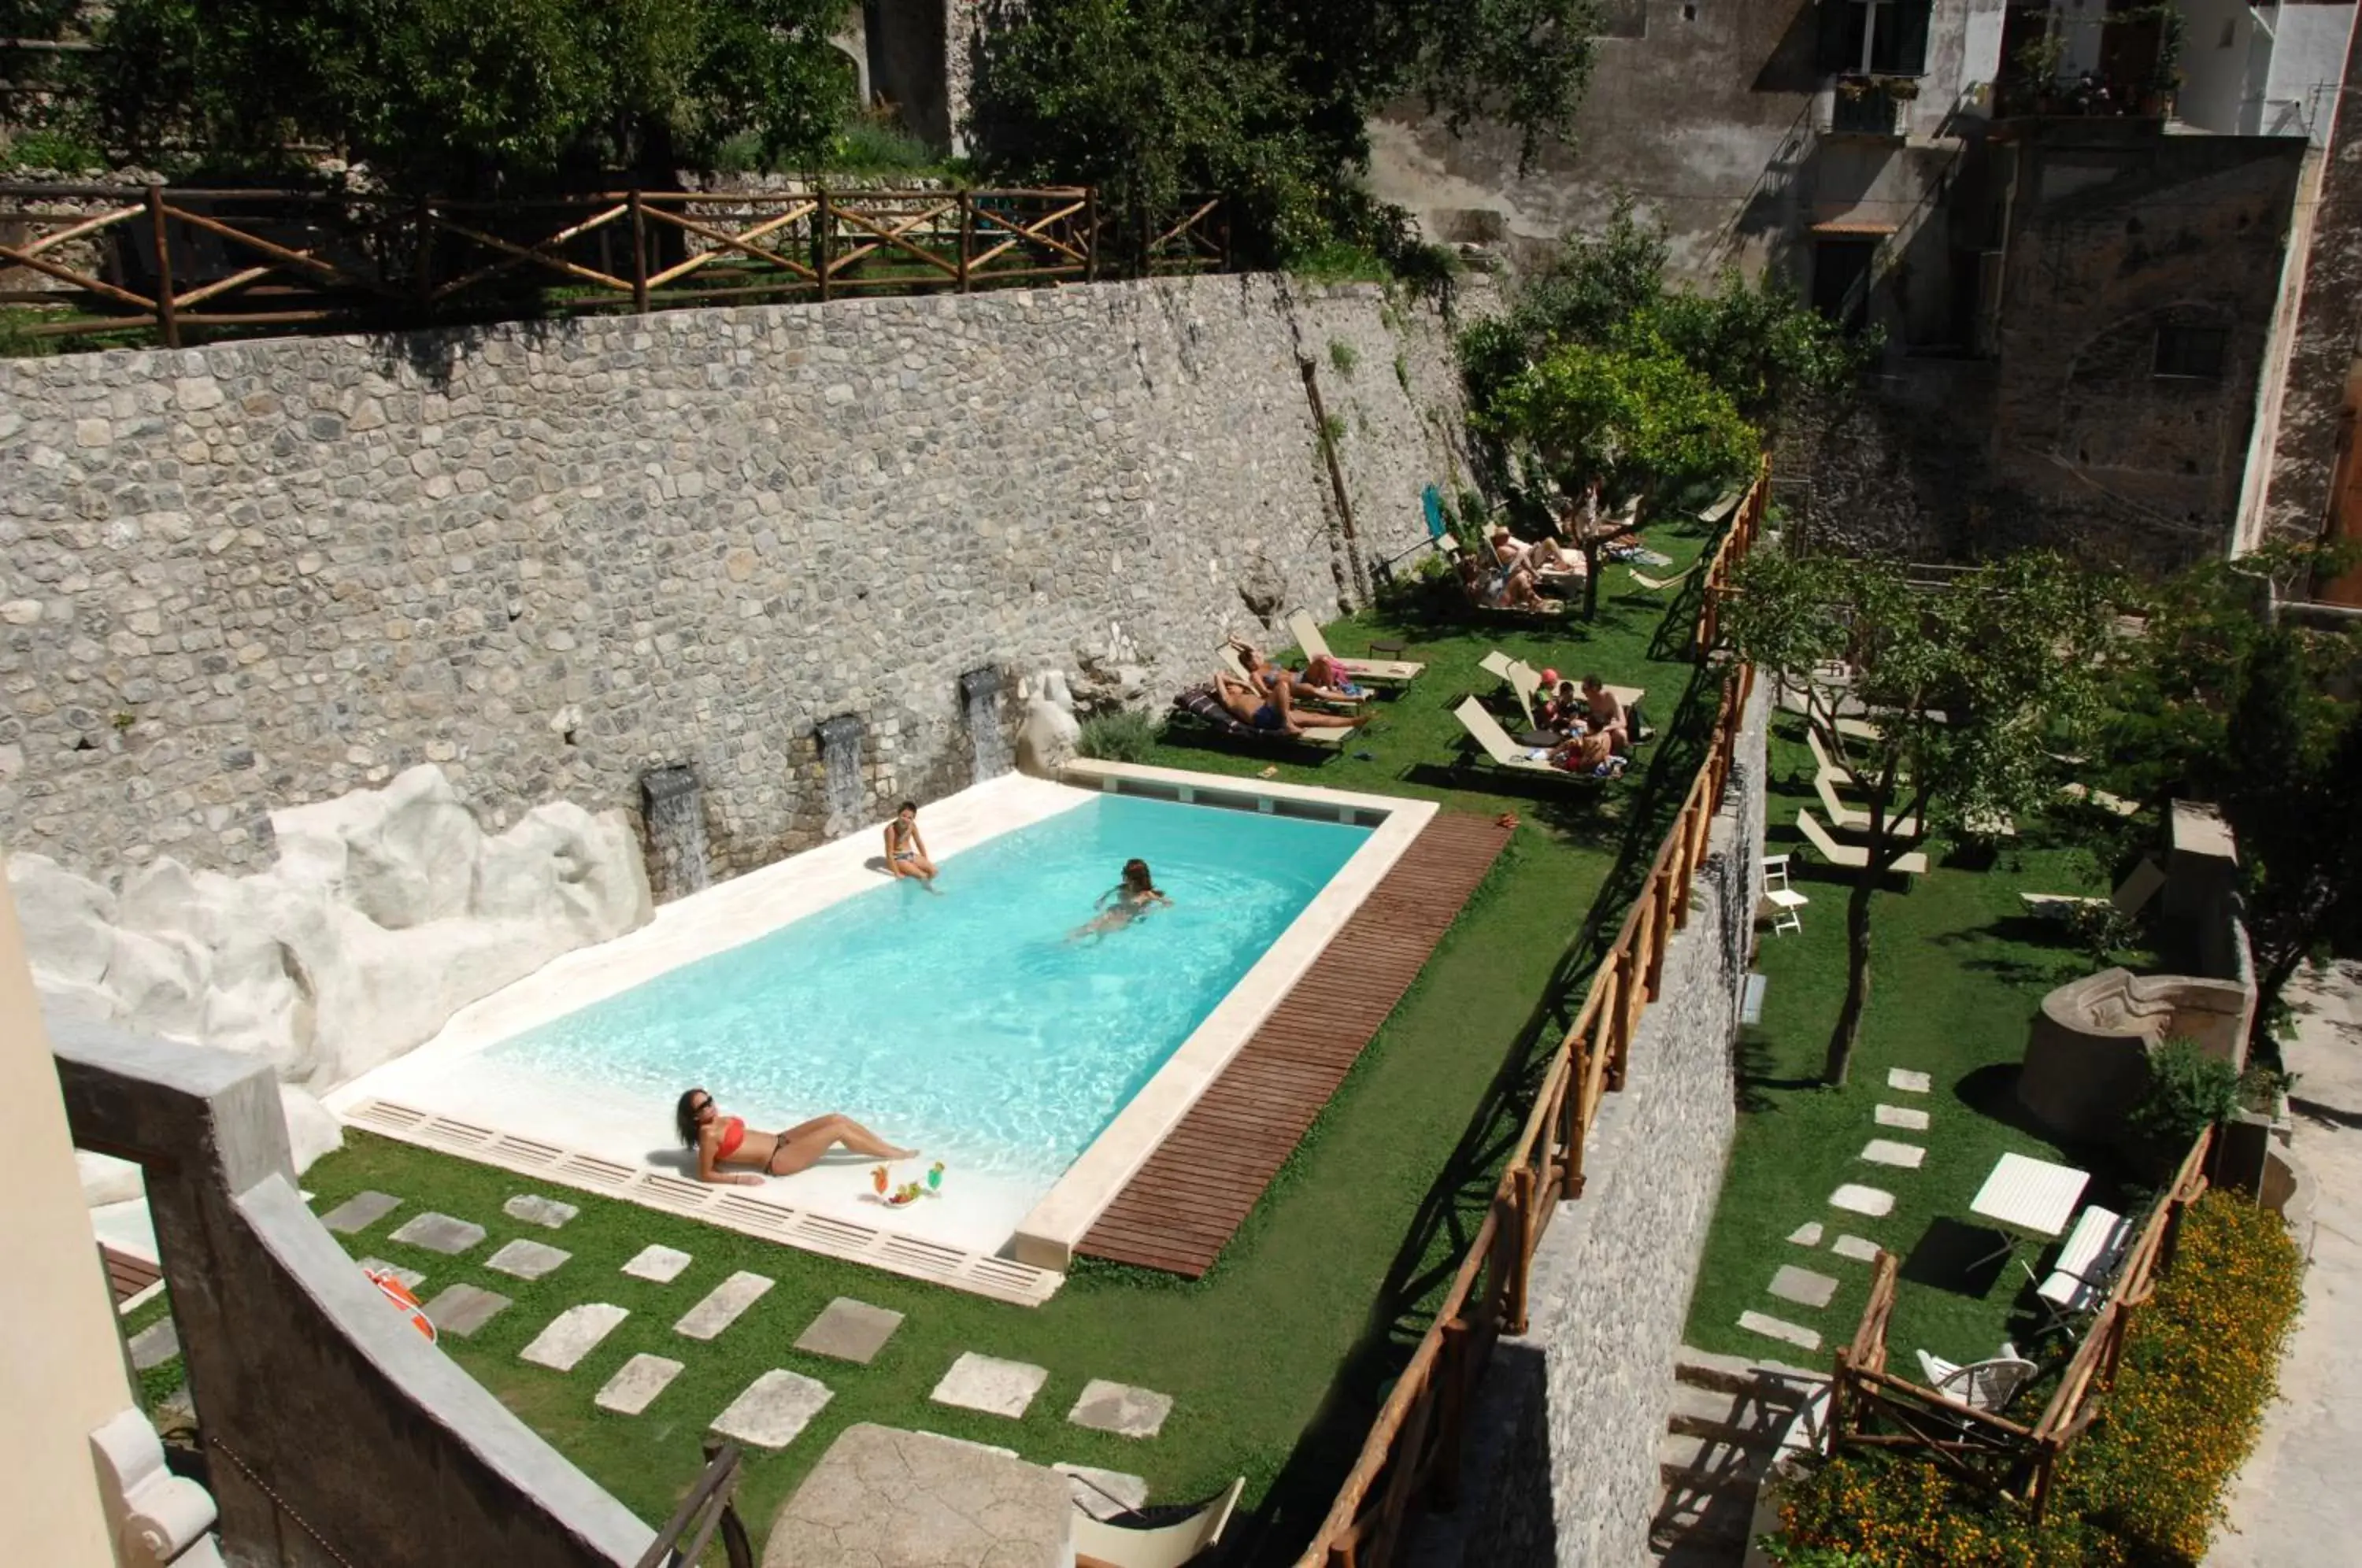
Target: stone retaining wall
x: 552, y: 557
x: 1562, y: 1462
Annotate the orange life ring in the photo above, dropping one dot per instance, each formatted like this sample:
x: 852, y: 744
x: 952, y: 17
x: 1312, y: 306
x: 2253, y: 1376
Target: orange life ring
x: 404, y: 1301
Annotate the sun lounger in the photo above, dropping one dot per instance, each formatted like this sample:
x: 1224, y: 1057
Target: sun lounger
x: 1201, y: 705
x: 1238, y: 667
x: 1851, y: 856
x: 1658, y: 584
x: 1374, y: 672
x: 2086, y: 1265
x: 1506, y: 753
x: 1850, y: 818
x: 2084, y: 794
x: 1155, y: 1538
x: 2129, y: 898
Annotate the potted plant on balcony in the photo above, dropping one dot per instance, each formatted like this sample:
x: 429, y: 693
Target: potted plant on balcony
x: 1902, y: 89
x: 2037, y: 61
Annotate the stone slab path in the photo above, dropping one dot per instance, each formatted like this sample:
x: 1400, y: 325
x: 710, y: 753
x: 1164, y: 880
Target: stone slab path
x: 1779, y: 1328
x: 440, y: 1233
x: 534, y: 1210
x: 154, y: 1345
x: 1806, y: 1235
x: 723, y: 1305
x: 1909, y: 1082
x: 1854, y: 1247
x: 572, y: 1334
x: 1902, y: 1116
x: 1116, y: 1408
x: 461, y: 1310
x: 527, y: 1260
x: 662, y: 1264
x: 359, y: 1211
x: 1859, y: 1200
x: 1803, y: 1285
x: 1887, y: 1151
x: 987, y: 1384
x: 2295, y: 1504
x: 775, y: 1409
x: 636, y: 1383
x: 850, y: 1331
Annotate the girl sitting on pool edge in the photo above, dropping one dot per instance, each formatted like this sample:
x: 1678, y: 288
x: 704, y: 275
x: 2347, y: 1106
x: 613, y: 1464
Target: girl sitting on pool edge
x: 717, y: 1139
x: 1134, y: 897
x: 906, y: 851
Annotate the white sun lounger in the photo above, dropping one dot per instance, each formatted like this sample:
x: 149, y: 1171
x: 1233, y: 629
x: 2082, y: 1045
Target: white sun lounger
x: 1852, y: 818
x: 1106, y: 1543
x: 1506, y: 753
x: 1377, y: 671
x: 1851, y: 856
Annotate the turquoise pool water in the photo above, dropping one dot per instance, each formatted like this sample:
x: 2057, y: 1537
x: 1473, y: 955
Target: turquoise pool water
x: 968, y: 1023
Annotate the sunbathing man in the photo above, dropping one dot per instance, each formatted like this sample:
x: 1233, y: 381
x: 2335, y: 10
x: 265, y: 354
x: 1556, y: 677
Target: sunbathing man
x: 1511, y: 589
x: 1271, y: 674
x: 1593, y: 753
x: 1542, y: 555
x: 1605, y: 713
x: 1273, y: 711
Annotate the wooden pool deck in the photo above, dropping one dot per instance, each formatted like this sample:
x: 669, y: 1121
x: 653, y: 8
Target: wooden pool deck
x: 1184, y: 1206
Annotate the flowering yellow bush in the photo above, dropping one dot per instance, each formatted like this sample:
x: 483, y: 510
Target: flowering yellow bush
x: 2144, y: 1486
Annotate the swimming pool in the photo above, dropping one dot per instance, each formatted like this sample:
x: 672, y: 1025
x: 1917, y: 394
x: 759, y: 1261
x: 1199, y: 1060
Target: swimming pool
x: 1043, y: 1073
x: 968, y: 1021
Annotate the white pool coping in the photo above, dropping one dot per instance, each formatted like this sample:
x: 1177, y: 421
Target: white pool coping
x: 443, y: 1095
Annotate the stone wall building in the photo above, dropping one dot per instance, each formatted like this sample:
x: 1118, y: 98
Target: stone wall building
x: 555, y: 557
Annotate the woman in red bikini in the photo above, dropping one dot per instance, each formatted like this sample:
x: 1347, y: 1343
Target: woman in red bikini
x: 720, y: 1139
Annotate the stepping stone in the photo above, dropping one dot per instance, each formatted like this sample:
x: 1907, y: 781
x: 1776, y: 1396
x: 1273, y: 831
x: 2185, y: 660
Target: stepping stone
x: 987, y: 1384
x: 662, y: 1264
x: 154, y: 1345
x: 1857, y: 1248
x: 1806, y: 1235
x: 641, y: 1380
x: 1803, y: 1286
x: 410, y: 1279
x: 721, y: 1305
x: 527, y: 1260
x: 1116, y: 1408
x: 1887, y: 1151
x: 996, y: 1451
x: 1902, y: 1116
x: 359, y: 1211
x: 461, y: 1310
x: 534, y: 1210
x: 1779, y: 1328
x: 773, y: 1410
x: 1103, y: 1494
x: 573, y: 1334
x: 850, y: 1331
x: 1867, y: 1200
x: 1906, y: 1080
x: 440, y: 1233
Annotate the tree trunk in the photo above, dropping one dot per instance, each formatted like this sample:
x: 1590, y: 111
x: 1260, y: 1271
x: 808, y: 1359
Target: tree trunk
x: 1857, y: 996
x: 1590, y: 580
x: 2271, y: 979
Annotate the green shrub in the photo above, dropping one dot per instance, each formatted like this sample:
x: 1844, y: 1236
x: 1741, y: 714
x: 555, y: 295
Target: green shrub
x: 2188, y: 1091
x: 52, y: 150
x: 1344, y: 355
x: 1120, y: 736
x: 2101, y: 929
x: 2143, y: 1487
x: 875, y: 143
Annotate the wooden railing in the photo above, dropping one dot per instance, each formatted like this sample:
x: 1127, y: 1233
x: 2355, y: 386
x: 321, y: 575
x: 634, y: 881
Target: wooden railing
x: 1745, y: 526
x: 709, y: 1507
x: 1412, y: 1455
x: 1872, y: 1408
x: 173, y: 260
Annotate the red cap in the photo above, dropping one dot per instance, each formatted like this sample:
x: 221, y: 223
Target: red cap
x: 1549, y: 678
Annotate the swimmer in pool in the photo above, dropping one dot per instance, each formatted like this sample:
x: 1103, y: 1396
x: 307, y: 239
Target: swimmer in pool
x: 1134, y: 897
x: 718, y: 1140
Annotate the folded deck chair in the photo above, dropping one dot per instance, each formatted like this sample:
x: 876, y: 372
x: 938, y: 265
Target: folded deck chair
x: 2130, y: 897
x: 1204, y: 706
x: 1155, y: 1538
x: 1506, y: 753
x: 1851, y: 856
x: 1374, y: 671
x: 1506, y: 671
x: 1658, y: 584
x: 1852, y: 818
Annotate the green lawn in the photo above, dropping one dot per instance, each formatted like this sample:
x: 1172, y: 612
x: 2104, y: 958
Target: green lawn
x: 1279, y: 1360
x: 1958, y: 971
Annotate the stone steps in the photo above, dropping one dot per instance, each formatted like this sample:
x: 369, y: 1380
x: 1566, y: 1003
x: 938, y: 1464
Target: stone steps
x: 1728, y: 1415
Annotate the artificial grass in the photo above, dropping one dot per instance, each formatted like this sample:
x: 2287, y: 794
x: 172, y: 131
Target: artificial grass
x: 1276, y: 1361
x: 1958, y: 971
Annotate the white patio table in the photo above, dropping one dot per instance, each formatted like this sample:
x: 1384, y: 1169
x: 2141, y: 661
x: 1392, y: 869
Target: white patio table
x: 2027, y: 1196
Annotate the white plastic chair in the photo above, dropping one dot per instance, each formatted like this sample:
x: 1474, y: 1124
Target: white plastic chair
x: 1987, y: 1386
x: 1784, y: 900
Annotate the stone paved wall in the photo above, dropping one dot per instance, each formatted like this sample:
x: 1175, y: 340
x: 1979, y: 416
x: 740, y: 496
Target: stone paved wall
x: 1563, y: 1467
x: 551, y: 557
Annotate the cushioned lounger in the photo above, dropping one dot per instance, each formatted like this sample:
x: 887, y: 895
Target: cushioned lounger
x: 1380, y: 671
x: 1201, y: 703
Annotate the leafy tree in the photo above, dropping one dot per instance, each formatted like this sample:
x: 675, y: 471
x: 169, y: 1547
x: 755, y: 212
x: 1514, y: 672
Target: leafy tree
x: 472, y: 95
x: 1961, y: 685
x: 1153, y: 99
x: 1759, y: 342
x: 1633, y: 422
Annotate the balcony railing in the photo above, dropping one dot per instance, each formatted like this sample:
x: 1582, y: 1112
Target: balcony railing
x: 1863, y: 107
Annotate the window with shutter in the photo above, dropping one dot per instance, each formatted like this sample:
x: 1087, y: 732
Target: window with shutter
x: 1900, y: 44
x: 1841, y: 25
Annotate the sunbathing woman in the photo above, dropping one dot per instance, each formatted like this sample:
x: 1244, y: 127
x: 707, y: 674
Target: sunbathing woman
x: 1134, y: 897
x: 1543, y: 555
x: 718, y: 1140
x: 1323, y: 679
x: 1273, y: 711
x: 1512, y: 589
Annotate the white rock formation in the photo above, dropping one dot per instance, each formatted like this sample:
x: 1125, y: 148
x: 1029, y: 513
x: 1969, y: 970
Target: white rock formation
x: 1046, y: 735
x: 388, y: 911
